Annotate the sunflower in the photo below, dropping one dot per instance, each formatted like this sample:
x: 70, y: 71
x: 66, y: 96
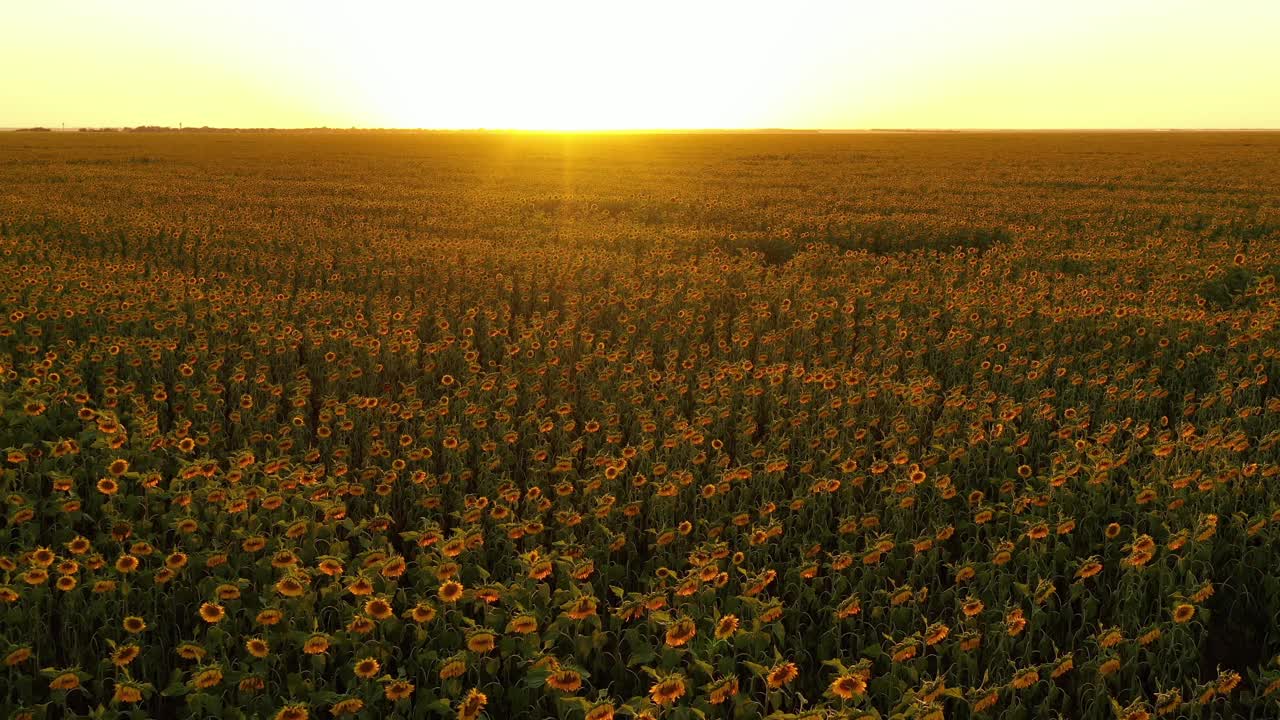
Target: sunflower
x: 17, y: 657
x: 1089, y: 569
x: 1183, y: 612
x: 471, y: 705
x: 986, y: 701
x: 269, y: 617
x: 43, y: 557
x: 317, y: 644
x: 108, y: 486
x: 848, y: 607
x: 346, y: 706
x: 367, y: 668
x: 394, y: 568
x: 378, y: 609
x: 212, y: 613
x: 849, y: 685
x: 523, y: 625
x: 453, y: 668
x: 398, y: 690
x: 207, y: 678
x: 126, y: 564
x: 1204, y: 592
x: 1063, y: 667
x: 189, y: 651
x: 1111, y: 638
x: 291, y: 586
x: 481, y: 641
x: 771, y: 612
x: 1015, y: 622
x: 681, y: 632
x: 723, y: 690
x: 1025, y: 679
x: 905, y: 650
x: 447, y: 571
x: 667, y: 690
x: 450, y: 591
x: 566, y: 681
x: 67, y: 680
x: 134, y: 624
x: 293, y: 712
x: 257, y: 647
x: 100, y: 587
x: 1170, y: 701
x: 421, y: 613
x: 127, y: 692
x: 582, y: 608
x: 782, y: 674
x: 726, y: 626
x: 360, y: 586
x: 1149, y: 637
x: 252, y: 684
x: 124, y: 655
x: 601, y: 711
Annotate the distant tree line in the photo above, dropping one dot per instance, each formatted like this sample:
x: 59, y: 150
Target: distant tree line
x: 208, y: 129
x: 202, y: 129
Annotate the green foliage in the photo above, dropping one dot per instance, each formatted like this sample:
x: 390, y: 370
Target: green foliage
x: 1237, y: 287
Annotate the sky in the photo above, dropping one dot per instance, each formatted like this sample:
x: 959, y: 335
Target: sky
x: 633, y: 64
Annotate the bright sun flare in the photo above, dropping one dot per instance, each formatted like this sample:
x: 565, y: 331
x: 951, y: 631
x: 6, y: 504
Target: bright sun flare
x: 571, y: 64
x: 589, y: 66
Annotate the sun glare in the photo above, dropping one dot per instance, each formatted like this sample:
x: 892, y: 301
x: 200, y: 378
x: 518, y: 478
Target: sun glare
x: 596, y: 66
x: 574, y: 65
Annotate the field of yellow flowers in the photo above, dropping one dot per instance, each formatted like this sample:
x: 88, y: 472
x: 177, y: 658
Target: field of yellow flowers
x: 727, y: 426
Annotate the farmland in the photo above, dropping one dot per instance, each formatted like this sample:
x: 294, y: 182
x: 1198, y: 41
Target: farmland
x: 656, y: 426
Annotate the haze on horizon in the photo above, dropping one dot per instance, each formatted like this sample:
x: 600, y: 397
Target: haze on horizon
x: 1085, y: 64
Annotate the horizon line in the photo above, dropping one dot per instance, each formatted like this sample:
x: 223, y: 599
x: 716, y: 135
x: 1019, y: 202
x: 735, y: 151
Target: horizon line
x: 617, y: 131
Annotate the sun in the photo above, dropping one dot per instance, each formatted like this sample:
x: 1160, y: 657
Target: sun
x: 572, y: 67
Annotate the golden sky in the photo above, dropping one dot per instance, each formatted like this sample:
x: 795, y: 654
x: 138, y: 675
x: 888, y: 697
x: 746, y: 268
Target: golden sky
x: 609, y: 64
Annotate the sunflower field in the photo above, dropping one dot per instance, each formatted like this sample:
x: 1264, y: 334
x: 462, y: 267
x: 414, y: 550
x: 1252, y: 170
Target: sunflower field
x: 397, y: 425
